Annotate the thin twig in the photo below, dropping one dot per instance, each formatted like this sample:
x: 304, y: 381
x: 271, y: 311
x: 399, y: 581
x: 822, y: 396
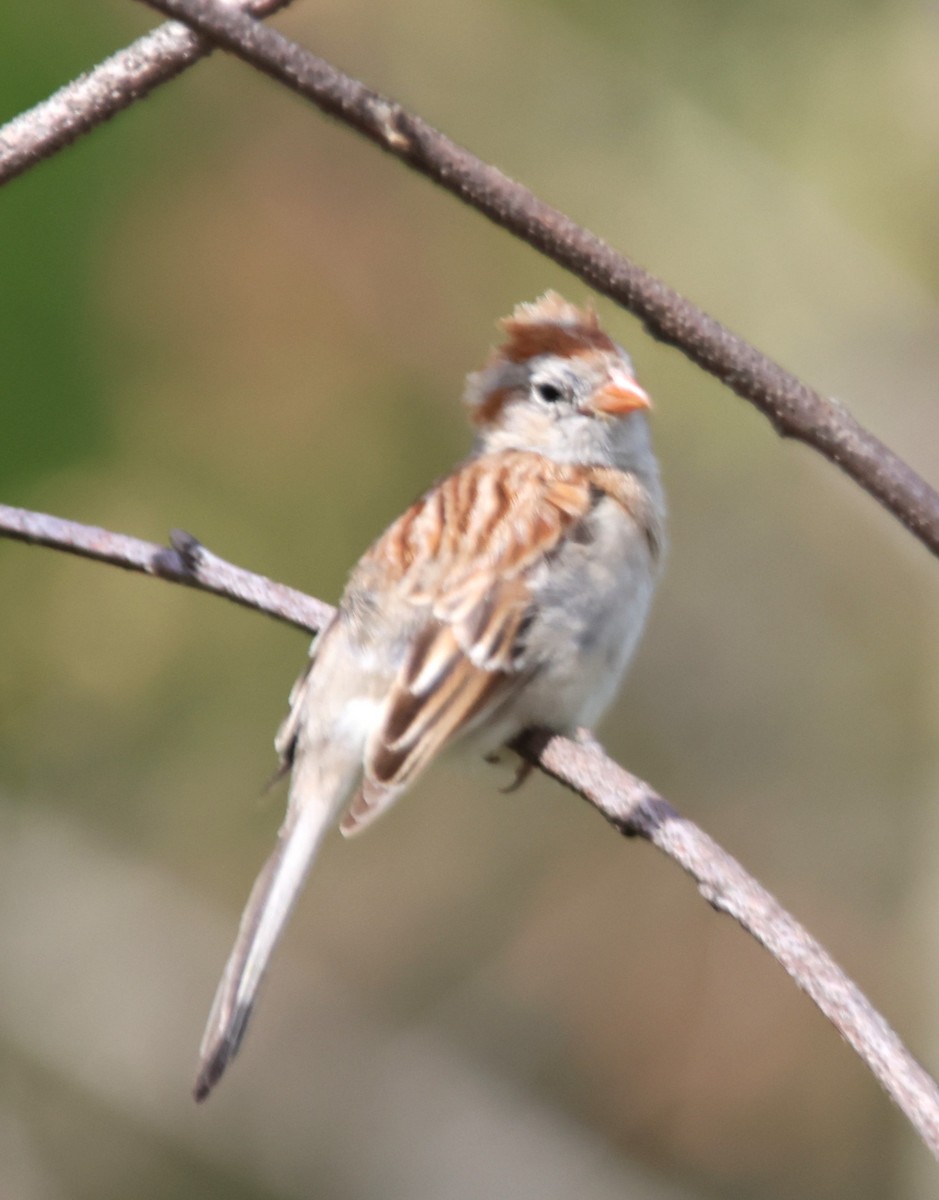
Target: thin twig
x: 98, y: 95
x: 629, y: 804
x: 793, y: 408
x: 184, y: 561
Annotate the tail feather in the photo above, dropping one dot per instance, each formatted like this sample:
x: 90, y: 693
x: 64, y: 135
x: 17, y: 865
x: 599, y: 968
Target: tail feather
x: 269, y: 906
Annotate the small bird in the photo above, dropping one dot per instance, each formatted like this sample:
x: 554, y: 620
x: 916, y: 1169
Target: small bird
x: 509, y: 597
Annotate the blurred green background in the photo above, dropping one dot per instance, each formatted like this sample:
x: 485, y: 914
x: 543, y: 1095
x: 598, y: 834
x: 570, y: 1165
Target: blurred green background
x: 224, y: 313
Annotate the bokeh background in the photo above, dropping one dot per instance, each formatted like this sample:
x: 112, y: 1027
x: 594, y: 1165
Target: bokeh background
x: 224, y: 313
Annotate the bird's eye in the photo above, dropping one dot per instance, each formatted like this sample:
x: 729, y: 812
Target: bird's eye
x: 549, y: 391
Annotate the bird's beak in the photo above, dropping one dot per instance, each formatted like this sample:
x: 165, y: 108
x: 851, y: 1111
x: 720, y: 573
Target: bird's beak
x: 619, y: 395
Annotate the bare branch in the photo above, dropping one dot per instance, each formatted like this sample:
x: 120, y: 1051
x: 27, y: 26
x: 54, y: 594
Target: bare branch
x: 635, y: 809
x: 794, y: 409
x: 98, y: 95
x: 629, y: 804
x: 184, y: 561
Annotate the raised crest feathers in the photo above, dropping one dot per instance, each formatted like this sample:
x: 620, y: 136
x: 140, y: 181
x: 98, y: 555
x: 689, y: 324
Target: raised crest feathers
x: 551, y: 325
x: 548, y: 325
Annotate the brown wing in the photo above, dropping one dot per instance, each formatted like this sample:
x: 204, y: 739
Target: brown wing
x: 463, y: 555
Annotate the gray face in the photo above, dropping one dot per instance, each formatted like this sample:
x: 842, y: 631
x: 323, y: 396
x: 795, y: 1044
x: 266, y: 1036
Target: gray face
x: 563, y: 384
x: 548, y: 410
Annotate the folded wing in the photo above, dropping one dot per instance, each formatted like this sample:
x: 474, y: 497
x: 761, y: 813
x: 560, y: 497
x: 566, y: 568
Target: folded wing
x: 463, y: 556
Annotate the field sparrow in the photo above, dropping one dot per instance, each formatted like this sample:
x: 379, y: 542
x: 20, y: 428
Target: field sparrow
x: 510, y: 596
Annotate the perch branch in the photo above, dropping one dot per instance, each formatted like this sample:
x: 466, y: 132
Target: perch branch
x: 635, y: 809
x: 794, y: 409
x: 99, y: 94
x: 184, y: 561
x: 628, y: 804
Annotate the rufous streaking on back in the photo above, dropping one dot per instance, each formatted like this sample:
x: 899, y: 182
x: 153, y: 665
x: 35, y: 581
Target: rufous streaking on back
x: 510, y: 596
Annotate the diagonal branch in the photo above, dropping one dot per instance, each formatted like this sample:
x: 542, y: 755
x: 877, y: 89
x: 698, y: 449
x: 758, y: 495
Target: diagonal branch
x: 635, y: 809
x: 628, y: 804
x: 99, y: 94
x: 184, y: 561
x: 794, y: 409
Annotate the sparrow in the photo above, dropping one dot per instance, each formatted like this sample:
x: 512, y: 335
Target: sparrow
x: 510, y: 596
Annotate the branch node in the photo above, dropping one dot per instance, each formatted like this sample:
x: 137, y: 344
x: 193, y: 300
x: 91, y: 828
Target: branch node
x: 390, y: 125
x: 181, y: 559
x: 189, y: 549
x: 713, y: 896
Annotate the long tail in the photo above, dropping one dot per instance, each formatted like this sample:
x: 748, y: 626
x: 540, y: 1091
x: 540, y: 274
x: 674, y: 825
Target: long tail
x: 311, y: 811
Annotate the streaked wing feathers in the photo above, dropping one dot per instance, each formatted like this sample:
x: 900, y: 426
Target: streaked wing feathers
x: 463, y: 555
